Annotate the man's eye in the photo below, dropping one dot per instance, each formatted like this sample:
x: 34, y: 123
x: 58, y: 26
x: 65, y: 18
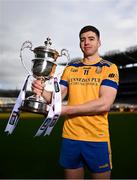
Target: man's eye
x: 82, y: 40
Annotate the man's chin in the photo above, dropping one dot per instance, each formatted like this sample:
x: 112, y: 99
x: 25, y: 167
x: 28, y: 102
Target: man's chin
x: 88, y: 54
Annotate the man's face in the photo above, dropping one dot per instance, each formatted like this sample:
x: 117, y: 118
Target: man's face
x: 89, y: 43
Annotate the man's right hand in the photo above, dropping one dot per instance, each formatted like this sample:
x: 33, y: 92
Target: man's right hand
x: 37, y: 87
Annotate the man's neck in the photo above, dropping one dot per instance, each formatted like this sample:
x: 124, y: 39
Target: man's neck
x: 92, y: 59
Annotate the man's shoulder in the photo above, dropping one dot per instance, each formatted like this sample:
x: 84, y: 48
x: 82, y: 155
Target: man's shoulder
x: 104, y: 62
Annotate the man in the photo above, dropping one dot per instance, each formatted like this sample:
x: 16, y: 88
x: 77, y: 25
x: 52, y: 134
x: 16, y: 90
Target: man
x: 91, y: 85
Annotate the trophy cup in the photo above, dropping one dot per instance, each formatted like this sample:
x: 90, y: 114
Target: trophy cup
x: 43, y: 68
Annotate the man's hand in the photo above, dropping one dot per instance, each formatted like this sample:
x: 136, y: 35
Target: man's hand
x: 37, y: 87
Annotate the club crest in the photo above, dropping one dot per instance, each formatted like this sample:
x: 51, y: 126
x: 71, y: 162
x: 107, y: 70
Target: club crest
x: 98, y: 70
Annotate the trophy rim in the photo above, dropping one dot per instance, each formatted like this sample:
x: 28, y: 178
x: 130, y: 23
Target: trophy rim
x: 44, y: 49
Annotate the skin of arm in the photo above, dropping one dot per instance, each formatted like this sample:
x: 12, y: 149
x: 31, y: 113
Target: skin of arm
x: 98, y: 106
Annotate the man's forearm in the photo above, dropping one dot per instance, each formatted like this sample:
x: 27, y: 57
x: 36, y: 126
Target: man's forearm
x: 47, y: 96
x: 89, y: 108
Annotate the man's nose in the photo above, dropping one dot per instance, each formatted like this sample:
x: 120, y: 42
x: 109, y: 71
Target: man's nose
x: 86, y: 41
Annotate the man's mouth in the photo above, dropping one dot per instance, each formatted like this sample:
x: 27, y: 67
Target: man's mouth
x: 87, y: 48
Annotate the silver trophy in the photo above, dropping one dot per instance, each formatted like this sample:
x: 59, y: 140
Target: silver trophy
x: 43, y: 68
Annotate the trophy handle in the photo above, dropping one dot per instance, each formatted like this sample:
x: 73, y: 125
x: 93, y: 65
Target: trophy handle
x: 25, y: 45
x: 64, y: 52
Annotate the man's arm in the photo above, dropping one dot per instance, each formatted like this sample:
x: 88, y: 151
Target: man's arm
x: 98, y: 106
x: 64, y: 91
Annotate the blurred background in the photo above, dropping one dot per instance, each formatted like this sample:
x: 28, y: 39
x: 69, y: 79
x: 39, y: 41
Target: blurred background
x: 22, y: 155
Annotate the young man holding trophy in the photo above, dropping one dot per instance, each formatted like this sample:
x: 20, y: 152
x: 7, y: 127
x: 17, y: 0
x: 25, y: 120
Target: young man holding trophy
x: 91, y: 85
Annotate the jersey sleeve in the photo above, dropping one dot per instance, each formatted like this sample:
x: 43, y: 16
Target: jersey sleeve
x: 111, y: 77
x: 65, y: 77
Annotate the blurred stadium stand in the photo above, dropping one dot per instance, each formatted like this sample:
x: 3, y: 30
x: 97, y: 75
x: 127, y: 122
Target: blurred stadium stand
x: 126, y: 99
x: 8, y: 99
x: 7, y: 103
x: 127, y: 92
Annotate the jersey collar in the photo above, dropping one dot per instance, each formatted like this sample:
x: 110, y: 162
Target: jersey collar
x: 88, y: 62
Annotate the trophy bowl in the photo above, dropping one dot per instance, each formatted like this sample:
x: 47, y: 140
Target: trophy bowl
x: 44, y: 62
x: 42, y: 68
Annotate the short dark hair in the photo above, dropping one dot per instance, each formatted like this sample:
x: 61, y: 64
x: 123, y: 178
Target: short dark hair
x: 89, y: 28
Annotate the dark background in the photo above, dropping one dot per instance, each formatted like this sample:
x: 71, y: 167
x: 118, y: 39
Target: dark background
x: 24, y: 156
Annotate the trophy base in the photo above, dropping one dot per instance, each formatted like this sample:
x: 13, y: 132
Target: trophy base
x: 34, y: 106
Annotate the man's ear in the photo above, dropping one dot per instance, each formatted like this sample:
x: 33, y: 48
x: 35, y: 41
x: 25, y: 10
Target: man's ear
x: 99, y: 43
x: 80, y: 45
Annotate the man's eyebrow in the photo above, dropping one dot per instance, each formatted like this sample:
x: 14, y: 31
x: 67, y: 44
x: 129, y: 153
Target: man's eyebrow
x: 91, y: 36
x: 88, y: 37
